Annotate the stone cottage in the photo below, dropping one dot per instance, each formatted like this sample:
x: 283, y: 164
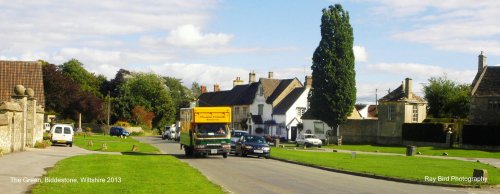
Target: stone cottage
x: 485, y: 94
x: 398, y: 107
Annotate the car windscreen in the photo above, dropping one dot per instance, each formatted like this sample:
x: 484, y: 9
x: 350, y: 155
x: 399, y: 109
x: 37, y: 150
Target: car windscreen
x: 58, y: 130
x: 211, y: 130
x: 237, y: 134
x: 255, y: 139
x: 67, y: 130
x: 310, y: 136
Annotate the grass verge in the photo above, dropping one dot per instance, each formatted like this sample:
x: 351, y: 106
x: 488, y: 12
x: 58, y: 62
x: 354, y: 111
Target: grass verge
x: 113, y: 143
x: 431, y: 151
x: 409, y: 168
x: 126, y: 174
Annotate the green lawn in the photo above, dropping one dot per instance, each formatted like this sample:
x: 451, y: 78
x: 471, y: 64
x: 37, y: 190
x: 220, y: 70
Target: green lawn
x: 114, y: 144
x: 411, y: 168
x: 431, y: 151
x: 130, y: 173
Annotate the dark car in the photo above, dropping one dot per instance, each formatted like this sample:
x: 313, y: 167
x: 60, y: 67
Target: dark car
x: 118, y: 131
x: 235, y: 137
x: 252, y: 145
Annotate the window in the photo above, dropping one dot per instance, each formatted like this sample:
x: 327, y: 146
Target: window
x: 236, y: 110
x: 300, y: 111
x: 319, y: 127
x: 415, y: 113
x: 494, y: 105
x: 244, y: 110
x: 67, y: 130
x: 261, y: 109
x: 261, y: 91
x: 391, y: 112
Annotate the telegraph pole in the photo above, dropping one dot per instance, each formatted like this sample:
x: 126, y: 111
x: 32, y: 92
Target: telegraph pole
x: 109, y: 107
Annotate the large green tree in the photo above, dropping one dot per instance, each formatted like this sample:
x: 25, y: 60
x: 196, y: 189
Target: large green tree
x: 89, y: 82
x: 148, y: 90
x: 181, y: 95
x: 333, y: 92
x: 447, y: 98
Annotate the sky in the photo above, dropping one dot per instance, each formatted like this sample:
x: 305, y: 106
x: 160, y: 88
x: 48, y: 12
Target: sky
x: 215, y: 41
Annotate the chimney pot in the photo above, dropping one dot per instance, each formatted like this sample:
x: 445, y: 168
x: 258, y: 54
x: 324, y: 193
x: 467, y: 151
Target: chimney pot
x: 481, y: 64
x: 308, y: 81
x: 270, y: 75
x: 216, y: 88
x: 203, y: 89
x: 408, y: 88
x: 251, y: 77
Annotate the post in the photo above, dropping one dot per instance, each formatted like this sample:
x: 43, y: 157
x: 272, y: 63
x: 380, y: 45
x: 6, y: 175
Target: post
x: 109, y: 107
x: 80, y: 121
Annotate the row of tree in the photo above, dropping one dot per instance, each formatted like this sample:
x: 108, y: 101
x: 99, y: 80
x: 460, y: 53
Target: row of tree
x: 144, y: 99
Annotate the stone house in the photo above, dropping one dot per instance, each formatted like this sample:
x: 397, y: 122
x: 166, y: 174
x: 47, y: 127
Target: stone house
x: 485, y: 94
x: 398, y: 107
x: 253, y: 103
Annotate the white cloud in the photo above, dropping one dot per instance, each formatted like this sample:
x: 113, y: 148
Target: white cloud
x: 421, y: 71
x: 191, y: 36
x: 360, y: 53
x: 454, y: 25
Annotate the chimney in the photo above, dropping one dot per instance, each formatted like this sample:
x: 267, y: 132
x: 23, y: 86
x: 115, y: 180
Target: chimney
x: 408, y: 88
x: 308, y: 82
x: 403, y: 86
x: 216, y: 88
x: 237, y: 82
x: 251, y: 77
x: 270, y: 75
x: 203, y: 89
x: 481, y: 62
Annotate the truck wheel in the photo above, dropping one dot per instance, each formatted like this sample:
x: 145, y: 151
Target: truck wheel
x: 224, y: 155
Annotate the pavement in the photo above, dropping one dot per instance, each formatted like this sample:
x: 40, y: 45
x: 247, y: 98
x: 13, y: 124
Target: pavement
x: 258, y: 175
x: 20, y: 171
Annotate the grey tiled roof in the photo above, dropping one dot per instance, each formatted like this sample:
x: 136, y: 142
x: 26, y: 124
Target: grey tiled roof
x: 399, y: 95
x: 26, y: 73
x: 239, y: 95
x: 489, y: 84
x: 288, y: 101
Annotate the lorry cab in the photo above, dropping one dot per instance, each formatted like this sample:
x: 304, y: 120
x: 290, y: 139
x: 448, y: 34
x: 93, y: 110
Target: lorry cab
x: 62, y: 134
x: 205, y: 131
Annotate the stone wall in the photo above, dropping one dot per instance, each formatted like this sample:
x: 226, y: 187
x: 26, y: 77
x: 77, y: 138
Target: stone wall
x: 21, y: 124
x: 480, y: 114
x: 354, y: 131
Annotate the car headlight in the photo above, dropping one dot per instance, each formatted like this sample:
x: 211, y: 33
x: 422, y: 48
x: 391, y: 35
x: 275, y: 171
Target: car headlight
x: 226, y: 146
x: 248, y: 147
x: 265, y: 148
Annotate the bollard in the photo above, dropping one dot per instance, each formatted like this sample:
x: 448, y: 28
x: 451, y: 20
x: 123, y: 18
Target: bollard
x: 353, y: 155
x: 90, y: 143
x: 277, y: 143
x: 480, y: 175
x: 135, y: 148
x: 104, y: 147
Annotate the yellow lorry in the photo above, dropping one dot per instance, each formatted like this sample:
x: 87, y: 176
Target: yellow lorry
x: 205, y: 131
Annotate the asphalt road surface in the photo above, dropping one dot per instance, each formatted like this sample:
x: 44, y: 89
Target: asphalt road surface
x: 257, y: 175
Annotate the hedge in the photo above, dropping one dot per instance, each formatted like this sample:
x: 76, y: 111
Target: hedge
x: 481, y: 135
x: 425, y: 132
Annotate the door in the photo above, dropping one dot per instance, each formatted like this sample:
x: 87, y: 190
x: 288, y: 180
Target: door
x: 294, y: 133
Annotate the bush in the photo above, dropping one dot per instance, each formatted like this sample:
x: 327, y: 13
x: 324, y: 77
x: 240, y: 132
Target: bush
x: 425, y: 132
x: 481, y: 135
x: 122, y: 124
x: 43, y: 144
x: 88, y: 129
x: 46, y: 136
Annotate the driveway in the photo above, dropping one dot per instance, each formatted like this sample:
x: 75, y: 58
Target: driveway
x: 254, y: 175
x: 19, y: 171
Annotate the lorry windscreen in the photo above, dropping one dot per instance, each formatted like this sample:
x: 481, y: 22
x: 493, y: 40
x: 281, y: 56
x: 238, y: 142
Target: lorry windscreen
x: 211, y: 130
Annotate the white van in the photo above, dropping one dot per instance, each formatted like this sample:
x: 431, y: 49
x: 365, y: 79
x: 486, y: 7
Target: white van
x: 62, y: 134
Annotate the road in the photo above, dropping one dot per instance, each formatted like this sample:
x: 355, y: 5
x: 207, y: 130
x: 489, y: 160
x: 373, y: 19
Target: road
x: 19, y: 171
x: 258, y: 175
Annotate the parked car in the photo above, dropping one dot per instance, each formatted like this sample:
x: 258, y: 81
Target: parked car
x: 62, y: 134
x: 46, y: 127
x: 308, y: 140
x: 252, y: 145
x: 235, y: 137
x: 165, y: 133
x: 118, y: 131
